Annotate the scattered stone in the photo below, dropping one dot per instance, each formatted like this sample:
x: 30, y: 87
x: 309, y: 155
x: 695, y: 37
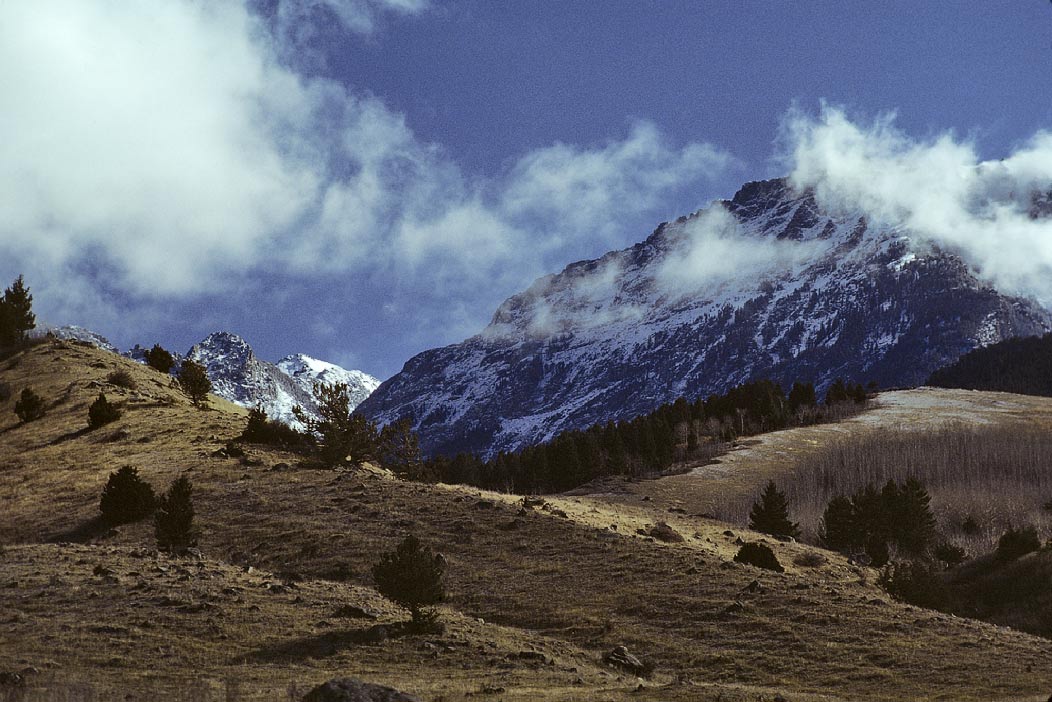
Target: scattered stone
x: 102, y: 570
x: 513, y: 525
x: 8, y: 679
x: 354, y: 612
x: 375, y: 634
x: 677, y: 510
x: 734, y: 608
x: 621, y: 658
x: 754, y: 587
x: 281, y: 466
x: 533, y: 657
x: 559, y: 513
x: 729, y: 533
x: 354, y: 690
x: 485, y: 504
x: 663, y: 532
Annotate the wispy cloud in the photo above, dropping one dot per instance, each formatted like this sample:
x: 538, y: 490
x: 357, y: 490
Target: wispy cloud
x: 166, y: 148
x: 937, y: 187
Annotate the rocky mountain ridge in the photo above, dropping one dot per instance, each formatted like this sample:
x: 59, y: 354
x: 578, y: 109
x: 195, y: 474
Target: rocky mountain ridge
x: 763, y: 285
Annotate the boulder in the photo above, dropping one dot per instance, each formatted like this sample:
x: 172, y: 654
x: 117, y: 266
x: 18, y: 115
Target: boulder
x: 354, y: 690
x: 621, y: 658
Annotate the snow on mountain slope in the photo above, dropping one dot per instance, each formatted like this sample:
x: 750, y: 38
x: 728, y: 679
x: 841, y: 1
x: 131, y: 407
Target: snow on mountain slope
x: 239, y: 376
x: 764, y: 285
x: 73, y: 332
x: 307, y: 371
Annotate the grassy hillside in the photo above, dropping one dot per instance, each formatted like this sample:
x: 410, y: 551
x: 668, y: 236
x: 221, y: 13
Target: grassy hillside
x: 537, y: 595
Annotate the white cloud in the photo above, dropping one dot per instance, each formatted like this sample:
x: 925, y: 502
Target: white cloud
x: 938, y: 188
x: 713, y: 250
x: 168, y: 148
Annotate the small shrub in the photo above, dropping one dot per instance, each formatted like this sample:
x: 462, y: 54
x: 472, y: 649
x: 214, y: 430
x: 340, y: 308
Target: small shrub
x: 950, y: 554
x: 174, y: 521
x: 263, y: 430
x: 160, y: 359
x: 126, y: 497
x: 1017, y: 542
x: 760, y: 556
x: 810, y: 559
x: 122, y: 379
x: 101, y: 412
x: 411, y: 575
x: 29, y: 407
x: 916, y: 583
x: 6, y: 393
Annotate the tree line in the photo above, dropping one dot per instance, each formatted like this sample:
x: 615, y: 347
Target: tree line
x: 649, y: 444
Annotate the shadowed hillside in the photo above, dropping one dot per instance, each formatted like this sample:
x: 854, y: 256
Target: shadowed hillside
x: 539, y: 593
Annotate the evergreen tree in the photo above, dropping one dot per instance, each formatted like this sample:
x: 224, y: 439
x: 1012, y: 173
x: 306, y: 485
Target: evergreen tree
x: 101, y: 412
x: 29, y: 406
x: 16, y: 314
x: 341, y: 435
x: 412, y: 576
x: 174, y: 521
x: 160, y: 359
x: 838, y: 530
x: 126, y: 497
x: 837, y: 392
x: 770, y: 515
x: 801, y: 395
x: 916, y: 522
x: 194, y: 382
x: 400, y: 450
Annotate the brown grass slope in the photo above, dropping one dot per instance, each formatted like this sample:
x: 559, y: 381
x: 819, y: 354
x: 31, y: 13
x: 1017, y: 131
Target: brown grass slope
x: 536, y: 598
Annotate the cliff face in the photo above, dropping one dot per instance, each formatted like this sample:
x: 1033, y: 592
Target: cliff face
x: 765, y: 285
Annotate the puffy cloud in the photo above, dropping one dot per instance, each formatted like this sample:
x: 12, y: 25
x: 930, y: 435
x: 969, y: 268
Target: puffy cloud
x: 938, y: 188
x: 168, y: 148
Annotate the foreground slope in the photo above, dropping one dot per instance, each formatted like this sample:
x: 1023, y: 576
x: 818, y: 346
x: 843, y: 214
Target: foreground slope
x: 765, y: 285
x: 537, y: 596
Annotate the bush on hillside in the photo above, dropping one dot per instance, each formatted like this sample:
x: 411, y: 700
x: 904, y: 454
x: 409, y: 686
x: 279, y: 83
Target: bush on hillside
x: 263, y: 430
x: 412, y: 575
x: 1017, y: 542
x: 126, y: 497
x: 193, y: 380
x: 102, y: 412
x: 950, y: 554
x: 174, y: 521
x: 122, y: 379
x: 29, y: 407
x: 758, y: 555
x: 916, y: 583
x: 160, y: 359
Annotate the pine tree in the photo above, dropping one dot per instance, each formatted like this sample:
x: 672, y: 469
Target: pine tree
x: 770, y: 515
x: 400, y: 450
x: 174, y: 521
x: 341, y: 435
x: 102, y: 411
x: 126, y: 497
x: 194, y: 382
x: 29, y: 406
x: 16, y: 314
x: 917, y: 523
x: 838, y: 530
x: 160, y: 359
x: 412, y: 576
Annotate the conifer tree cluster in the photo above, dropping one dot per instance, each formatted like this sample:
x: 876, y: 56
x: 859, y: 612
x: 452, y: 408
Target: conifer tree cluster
x: 638, y: 447
x: 16, y: 314
x: 29, y: 406
x: 126, y: 497
x: 341, y: 435
x: 899, y: 514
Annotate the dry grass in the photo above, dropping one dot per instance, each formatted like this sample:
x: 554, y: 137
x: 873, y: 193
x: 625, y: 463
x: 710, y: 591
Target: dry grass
x: 566, y: 588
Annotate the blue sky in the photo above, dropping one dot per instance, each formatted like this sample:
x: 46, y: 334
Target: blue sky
x: 364, y: 179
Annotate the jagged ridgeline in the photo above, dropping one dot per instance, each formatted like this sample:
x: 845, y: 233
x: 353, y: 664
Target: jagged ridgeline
x: 1021, y: 366
x: 765, y: 285
x: 650, y: 444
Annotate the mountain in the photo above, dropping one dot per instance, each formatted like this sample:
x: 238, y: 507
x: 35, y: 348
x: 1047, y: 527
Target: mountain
x: 307, y: 371
x: 239, y: 376
x: 765, y: 285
